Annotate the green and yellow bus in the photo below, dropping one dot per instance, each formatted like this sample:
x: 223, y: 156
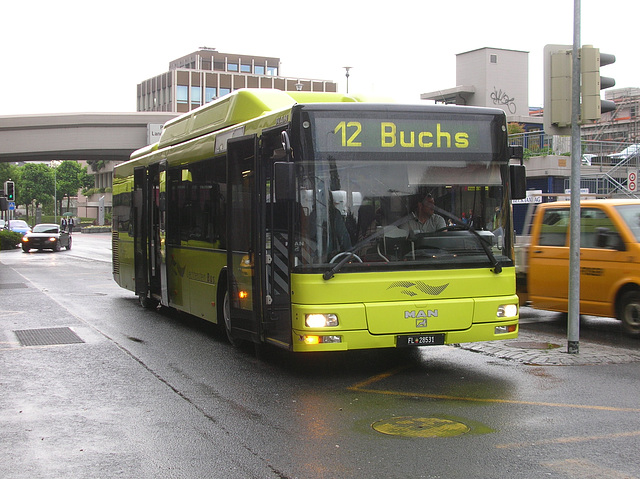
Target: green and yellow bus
x: 296, y: 219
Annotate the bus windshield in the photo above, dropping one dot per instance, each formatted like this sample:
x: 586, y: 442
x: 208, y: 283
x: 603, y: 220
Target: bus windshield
x: 408, y: 212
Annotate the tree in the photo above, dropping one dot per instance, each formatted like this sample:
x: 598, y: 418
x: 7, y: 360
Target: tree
x: 36, y: 186
x: 515, y: 128
x: 5, y: 172
x: 70, y: 177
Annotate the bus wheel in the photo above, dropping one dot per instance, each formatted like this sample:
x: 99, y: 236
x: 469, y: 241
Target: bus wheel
x: 629, y: 312
x: 226, y: 311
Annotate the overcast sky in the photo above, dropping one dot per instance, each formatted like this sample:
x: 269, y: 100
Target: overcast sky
x: 81, y: 56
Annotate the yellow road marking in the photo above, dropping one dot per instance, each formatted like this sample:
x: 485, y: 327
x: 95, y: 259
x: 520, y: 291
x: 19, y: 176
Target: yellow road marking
x: 360, y: 387
x: 586, y: 469
x: 569, y: 440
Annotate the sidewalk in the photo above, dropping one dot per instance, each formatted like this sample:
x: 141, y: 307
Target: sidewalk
x: 535, y: 348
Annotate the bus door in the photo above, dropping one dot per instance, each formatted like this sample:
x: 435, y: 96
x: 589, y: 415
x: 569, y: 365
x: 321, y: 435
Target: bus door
x: 245, y: 249
x: 149, y: 244
x: 278, y: 229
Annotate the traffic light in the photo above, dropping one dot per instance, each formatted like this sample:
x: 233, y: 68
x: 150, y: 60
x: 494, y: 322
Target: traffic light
x: 9, y: 190
x: 557, y: 89
x: 591, y: 83
x: 558, y: 63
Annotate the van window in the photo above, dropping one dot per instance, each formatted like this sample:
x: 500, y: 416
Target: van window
x: 631, y: 215
x: 597, y: 230
x: 554, y: 227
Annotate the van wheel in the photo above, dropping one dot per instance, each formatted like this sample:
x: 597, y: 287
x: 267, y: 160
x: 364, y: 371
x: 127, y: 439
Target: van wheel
x: 226, y: 313
x: 629, y: 312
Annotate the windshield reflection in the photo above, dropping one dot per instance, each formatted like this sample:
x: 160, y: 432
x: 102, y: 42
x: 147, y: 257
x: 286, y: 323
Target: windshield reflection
x: 381, y: 214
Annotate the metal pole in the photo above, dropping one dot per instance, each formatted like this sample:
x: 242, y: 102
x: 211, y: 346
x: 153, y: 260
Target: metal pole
x: 55, y: 195
x: 573, y: 326
x: 347, y: 75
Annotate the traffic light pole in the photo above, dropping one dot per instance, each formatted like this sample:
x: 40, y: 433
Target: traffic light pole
x: 573, y: 320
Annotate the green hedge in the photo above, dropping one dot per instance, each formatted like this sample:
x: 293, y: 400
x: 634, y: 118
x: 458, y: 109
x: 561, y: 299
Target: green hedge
x: 9, y: 239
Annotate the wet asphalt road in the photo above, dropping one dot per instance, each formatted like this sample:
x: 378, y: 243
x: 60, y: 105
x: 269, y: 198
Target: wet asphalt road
x: 157, y: 394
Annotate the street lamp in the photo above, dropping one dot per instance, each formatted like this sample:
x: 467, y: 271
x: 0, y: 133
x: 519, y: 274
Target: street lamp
x: 347, y: 75
x: 54, y: 164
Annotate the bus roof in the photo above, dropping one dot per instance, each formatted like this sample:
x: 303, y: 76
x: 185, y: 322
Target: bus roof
x: 237, y: 107
x: 247, y: 104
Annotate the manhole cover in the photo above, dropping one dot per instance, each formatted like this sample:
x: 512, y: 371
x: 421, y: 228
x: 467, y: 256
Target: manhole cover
x: 532, y: 345
x: 420, y: 427
x: 47, y: 337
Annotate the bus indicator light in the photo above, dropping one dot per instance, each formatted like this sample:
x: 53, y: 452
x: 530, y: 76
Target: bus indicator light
x: 312, y: 340
x: 505, y: 329
x: 243, y: 294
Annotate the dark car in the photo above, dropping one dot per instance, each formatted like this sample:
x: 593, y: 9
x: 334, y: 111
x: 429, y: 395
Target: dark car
x: 46, y: 236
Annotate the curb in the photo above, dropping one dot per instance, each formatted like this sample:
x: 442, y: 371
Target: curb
x: 546, y: 350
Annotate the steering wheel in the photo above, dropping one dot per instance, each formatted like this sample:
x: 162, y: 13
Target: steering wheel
x: 345, y: 253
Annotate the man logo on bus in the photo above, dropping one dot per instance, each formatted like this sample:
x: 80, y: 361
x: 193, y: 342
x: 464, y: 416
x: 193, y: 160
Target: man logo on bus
x: 421, y: 316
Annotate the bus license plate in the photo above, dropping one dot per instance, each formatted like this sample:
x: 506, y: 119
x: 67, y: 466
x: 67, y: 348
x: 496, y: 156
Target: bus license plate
x: 420, y: 340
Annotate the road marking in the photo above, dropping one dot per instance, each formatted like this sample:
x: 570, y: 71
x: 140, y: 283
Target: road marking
x: 360, y: 387
x: 586, y: 469
x: 13, y: 313
x: 569, y: 440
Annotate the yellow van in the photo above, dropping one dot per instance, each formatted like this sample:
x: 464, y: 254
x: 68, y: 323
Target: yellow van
x: 609, y: 259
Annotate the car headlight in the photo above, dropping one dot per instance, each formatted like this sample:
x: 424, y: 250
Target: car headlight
x: 317, y: 320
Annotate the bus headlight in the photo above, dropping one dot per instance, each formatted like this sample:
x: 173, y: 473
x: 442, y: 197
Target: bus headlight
x: 320, y: 320
x: 507, y: 311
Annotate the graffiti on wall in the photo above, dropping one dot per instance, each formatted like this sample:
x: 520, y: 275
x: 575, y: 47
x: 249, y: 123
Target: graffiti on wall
x: 501, y: 98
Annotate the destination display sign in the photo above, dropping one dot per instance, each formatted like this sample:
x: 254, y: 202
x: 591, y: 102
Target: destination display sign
x: 459, y: 135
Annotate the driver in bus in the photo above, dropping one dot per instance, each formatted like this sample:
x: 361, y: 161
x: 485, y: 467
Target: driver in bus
x: 424, y: 219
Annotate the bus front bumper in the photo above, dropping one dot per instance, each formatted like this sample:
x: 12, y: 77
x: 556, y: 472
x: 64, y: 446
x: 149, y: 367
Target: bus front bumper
x: 315, y: 341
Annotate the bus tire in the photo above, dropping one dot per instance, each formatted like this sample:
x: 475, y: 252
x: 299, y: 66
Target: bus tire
x: 226, y: 314
x: 629, y: 312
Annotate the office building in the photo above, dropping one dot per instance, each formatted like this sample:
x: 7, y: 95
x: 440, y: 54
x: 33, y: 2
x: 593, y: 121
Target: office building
x: 206, y: 74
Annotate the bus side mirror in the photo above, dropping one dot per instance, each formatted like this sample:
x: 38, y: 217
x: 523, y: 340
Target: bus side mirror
x: 284, y: 178
x: 518, y: 181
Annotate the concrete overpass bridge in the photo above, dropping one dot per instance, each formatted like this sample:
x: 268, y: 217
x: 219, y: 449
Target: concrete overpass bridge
x: 110, y: 137
x: 77, y: 136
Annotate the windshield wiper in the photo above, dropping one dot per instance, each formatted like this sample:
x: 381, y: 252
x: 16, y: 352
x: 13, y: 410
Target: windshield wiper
x: 497, y: 268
